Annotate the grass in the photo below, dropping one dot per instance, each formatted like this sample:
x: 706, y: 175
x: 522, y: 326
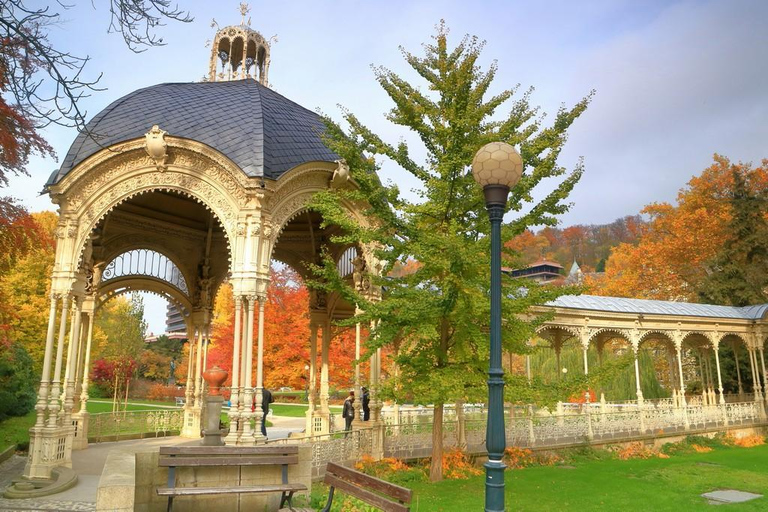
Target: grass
x: 656, y: 484
x: 295, y: 410
x: 16, y: 430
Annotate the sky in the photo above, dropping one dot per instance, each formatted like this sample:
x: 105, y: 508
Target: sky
x: 674, y: 82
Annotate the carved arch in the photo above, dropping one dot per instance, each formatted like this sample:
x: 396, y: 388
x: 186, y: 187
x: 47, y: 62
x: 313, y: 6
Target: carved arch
x: 143, y: 284
x: 665, y: 334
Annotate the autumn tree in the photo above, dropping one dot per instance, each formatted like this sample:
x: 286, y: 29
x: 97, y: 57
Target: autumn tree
x: 672, y: 257
x: 738, y: 274
x: 438, y: 315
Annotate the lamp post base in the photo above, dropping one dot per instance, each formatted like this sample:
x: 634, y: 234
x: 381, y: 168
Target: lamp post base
x: 494, y: 486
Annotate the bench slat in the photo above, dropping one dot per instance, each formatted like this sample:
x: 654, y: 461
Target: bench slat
x: 229, y: 450
x: 227, y: 461
x: 395, y: 491
x: 365, y: 495
x: 190, y: 491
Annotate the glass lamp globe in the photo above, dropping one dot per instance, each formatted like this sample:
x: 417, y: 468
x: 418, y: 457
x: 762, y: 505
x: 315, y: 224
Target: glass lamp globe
x: 497, y: 163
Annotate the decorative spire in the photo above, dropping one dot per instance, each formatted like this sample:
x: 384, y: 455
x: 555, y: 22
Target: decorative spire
x: 239, y: 52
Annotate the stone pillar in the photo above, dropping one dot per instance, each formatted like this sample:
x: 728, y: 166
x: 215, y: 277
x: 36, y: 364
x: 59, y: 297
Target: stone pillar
x: 53, y: 404
x: 234, y: 394
x: 680, y: 375
x: 738, y: 370
x: 81, y: 436
x: 704, y: 395
x: 45, y: 382
x: 755, y: 377
x: 358, y: 386
x: 311, y: 384
x: 191, y: 427
x: 377, y: 423
x: 247, y: 437
x: 259, y: 412
x: 324, y: 384
x: 762, y: 365
x: 638, y: 389
x: 719, y: 376
x: 198, y: 381
x: 70, y: 375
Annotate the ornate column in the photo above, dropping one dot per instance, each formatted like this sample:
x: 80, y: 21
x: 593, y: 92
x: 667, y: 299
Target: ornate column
x: 738, y: 369
x: 358, y: 386
x: 679, y: 353
x: 234, y: 396
x: 258, y: 413
x: 53, y: 404
x: 324, y: 384
x: 198, y: 381
x: 719, y: 376
x: 638, y: 389
x: 762, y: 365
x: 704, y: 397
x: 74, y: 342
x: 755, y: 377
x: 43, y: 391
x: 81, y: 436
x: 311, y: 385
x: 191, y: 427
x: 247, y: 437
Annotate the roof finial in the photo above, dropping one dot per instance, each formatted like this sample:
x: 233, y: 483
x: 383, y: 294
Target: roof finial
x: 244, y: 10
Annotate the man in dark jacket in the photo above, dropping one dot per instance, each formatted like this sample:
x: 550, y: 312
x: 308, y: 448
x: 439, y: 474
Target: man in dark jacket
x: 266, y: 399
x: 366, y: 404
x: 348, y: 413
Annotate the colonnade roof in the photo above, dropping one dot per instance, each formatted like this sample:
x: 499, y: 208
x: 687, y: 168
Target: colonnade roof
x: 261, y: 131
x: 657, y: 307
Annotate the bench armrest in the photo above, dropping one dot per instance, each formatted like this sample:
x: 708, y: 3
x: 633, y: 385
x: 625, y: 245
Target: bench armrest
x: 327, y: 506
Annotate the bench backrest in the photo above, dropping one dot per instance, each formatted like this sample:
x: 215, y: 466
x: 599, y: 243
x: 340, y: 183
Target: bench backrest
x: 183, y: 456
x: 383, y: 495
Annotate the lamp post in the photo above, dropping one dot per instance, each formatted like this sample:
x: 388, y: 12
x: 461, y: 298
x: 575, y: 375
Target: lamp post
x: 497, y: 167
x: 306, y: 388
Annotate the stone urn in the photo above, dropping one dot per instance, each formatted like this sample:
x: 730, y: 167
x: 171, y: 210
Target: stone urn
x: 215, y: 377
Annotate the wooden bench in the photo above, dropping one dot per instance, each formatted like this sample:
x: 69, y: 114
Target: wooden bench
x: 382, y: 495
x: 174, y: 457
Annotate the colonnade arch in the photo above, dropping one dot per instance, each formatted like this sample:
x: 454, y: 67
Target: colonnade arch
x: 693, y: 338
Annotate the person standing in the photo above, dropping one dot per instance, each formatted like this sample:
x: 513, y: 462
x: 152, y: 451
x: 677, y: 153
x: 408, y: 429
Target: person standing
x: 366, y: 404
x: 348, y: 413
x: 266, y: 399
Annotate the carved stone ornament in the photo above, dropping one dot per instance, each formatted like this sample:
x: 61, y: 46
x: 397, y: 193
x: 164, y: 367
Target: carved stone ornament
x: 341, y: 175
x: 156, y: 147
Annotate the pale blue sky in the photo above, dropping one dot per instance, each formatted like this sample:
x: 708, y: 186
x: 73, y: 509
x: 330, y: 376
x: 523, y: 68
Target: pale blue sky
x: 675, y: 81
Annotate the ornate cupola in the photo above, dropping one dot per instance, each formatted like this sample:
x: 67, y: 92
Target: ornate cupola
x: 239, y: 52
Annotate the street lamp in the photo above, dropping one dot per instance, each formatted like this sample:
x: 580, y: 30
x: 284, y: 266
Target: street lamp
x: 306, y: 388
x: 497, y: 167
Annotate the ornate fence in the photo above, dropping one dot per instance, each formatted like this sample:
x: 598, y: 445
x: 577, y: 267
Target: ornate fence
x: 541, y: 429
x: 340, y: 447
x: 112, y: 426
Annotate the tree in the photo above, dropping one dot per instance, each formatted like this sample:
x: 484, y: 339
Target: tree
x: 437, y: 316
x: 41, y: 84
x: 17, y: 380
x: 119, y: 330
x: 671, y: 259
x: 738, y: 274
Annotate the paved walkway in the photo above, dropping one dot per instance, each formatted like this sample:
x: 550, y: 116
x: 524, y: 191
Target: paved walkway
x: 89, y: 465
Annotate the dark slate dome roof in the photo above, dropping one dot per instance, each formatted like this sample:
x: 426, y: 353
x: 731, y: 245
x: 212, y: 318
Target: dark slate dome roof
x: 264, y: 133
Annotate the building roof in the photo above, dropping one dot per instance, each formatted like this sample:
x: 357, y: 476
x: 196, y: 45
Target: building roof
x: 262, y: 132
x: 543, y: 262
x: 657, y: 307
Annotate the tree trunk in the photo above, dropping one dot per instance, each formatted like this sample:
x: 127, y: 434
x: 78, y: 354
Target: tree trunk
x: 436, y: 466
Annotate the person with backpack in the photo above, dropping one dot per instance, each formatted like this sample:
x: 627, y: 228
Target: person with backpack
x: 348, y: 412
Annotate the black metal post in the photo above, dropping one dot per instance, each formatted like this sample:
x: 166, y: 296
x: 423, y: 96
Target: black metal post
x: 495, y: 202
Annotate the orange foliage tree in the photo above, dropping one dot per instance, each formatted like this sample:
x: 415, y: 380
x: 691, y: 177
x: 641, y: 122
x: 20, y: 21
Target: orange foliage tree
x: 670, y: 260
x: 286, y: 336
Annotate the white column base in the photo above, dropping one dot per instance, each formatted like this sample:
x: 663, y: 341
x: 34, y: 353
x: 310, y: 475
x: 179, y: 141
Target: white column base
x: 192, y: 423
x: 49, y: 447
x: 80, y: 422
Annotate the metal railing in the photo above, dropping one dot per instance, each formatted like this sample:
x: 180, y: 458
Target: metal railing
x: 113, y: 426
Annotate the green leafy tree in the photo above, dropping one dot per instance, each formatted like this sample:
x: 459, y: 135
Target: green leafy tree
x: 120, y: 330
x: 738, y: 275
x: 167, y: 347
x: 436, y: 316
x: 17, y: 380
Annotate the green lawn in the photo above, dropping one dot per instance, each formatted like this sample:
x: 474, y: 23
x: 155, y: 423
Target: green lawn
x: 673, y: 484
x: 16, y: 430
